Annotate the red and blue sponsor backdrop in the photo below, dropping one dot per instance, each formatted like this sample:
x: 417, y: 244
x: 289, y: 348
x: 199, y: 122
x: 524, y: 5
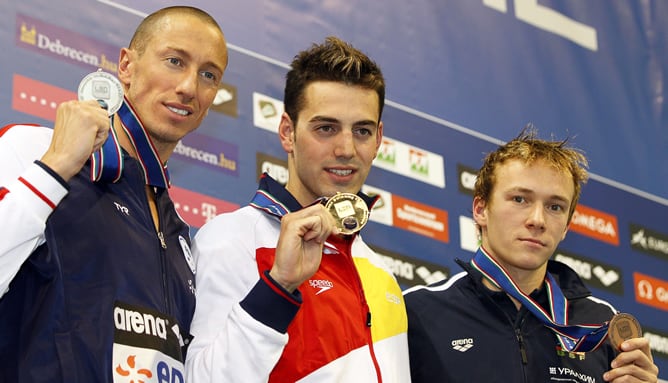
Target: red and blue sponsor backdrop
x: 463, y: 76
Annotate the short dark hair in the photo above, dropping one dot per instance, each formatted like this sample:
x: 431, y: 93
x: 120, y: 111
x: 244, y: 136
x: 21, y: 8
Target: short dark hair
x: 333, y: 60
x: 151, y: 24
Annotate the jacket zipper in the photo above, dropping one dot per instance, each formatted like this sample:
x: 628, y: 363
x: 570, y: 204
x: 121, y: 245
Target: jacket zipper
x: 365, y: 307
x: 520, y: 340
x: 163, y: 253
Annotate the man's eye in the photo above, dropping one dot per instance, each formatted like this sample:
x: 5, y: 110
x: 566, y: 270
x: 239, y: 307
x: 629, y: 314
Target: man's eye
x: 556, y: 207
x: 364, y: 132
x: 209, y: 76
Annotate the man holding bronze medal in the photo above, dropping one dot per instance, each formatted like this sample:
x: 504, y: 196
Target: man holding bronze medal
x: 514, y: 315
x: 96, y: 274
x: 287, y: 290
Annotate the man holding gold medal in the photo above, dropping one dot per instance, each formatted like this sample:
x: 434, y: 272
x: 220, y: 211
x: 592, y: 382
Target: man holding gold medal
x: 96, y: 274
x: 514, y: 315
x: 287, y: 290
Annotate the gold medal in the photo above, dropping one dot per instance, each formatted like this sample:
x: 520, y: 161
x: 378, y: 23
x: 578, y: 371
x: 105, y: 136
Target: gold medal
x: 102, y: 86
x: 623, y: 326
x: 349, y: 210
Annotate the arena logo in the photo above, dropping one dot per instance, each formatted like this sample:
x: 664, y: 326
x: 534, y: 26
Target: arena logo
x: 410, y: 271
x: 140, y: 323
x: 208, y: 151
x: 467, y: 177
x: 648, y: 241
x: 594, y: 273
x: 60, y: 43
x: 595, y: 224
x: 275, y: 167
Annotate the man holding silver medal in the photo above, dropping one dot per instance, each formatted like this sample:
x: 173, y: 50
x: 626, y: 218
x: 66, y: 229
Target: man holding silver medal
x: 96, y: 274
x: 514, y: 315
x: 287, y: 289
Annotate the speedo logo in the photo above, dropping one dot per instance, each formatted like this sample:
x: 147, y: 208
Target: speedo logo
x: 462, y: 345
x: 321, y: 284
x: 139, y: 323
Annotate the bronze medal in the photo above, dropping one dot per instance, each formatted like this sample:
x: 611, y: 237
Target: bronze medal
x: 623, y: 326
x: 349, y: 211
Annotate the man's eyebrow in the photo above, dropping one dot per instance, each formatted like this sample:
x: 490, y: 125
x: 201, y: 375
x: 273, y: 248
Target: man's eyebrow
x: 185, y: 53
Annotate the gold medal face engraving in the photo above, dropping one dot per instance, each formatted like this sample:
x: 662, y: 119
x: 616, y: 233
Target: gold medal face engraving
x: 103, y: 86
x: 349, y: 211
x: 623, y: 326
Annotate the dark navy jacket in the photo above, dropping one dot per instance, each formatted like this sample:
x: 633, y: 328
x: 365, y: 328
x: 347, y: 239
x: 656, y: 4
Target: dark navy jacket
x: 460, y: 331
x: 103, y: 282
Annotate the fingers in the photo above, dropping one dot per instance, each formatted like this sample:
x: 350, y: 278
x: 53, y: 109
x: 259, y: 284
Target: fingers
x: 300, y: 243
x: 633, y: 363
x: 81, y: 127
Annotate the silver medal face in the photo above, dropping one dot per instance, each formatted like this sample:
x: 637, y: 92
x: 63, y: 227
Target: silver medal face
x: 101, y: 85
x: 349, y: 211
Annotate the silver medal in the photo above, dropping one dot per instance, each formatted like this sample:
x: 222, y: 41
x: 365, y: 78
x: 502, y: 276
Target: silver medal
x: 102, y: 86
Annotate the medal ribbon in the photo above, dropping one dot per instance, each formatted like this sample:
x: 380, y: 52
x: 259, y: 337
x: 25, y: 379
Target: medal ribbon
x: 263, y: 200
x: 107, y: 163
x: 571, y: 337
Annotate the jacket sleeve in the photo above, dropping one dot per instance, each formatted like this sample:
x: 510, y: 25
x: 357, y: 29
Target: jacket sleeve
x: 29, y: 192
x: 241, y: 317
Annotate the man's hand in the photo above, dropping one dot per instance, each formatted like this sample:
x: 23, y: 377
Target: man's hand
x: 633, y: 364
x: 81, y: 128
x: 300, y: 243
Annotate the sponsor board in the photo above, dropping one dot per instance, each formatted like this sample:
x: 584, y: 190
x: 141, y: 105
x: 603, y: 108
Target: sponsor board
x: 197, y: 209
x: 658, y: 342
x: 411, y: 161
x: 209, y: 152
x: 226, y: 100
x: 466, y: 177
x: 409, y: 215
x: 267, y: 112
x: 651, y: 291
x: 594, y: 273
x: 648, y: 241
x: 595, y: 224
x: 38, y: 98
x: 411, y: 271
x: 469, y: 239
x: 62, y: 44
x: 277, y: 168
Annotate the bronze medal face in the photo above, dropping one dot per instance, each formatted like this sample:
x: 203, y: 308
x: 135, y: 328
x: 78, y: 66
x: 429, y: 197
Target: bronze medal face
x: 102, y: 86
x: 623, y: 326
x: 349, y: 211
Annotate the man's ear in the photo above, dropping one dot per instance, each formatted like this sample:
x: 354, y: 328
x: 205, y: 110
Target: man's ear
x: 286, y: 130
x: 125, y: 61
x: 480, y: 211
